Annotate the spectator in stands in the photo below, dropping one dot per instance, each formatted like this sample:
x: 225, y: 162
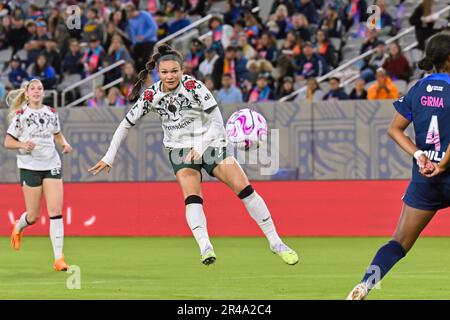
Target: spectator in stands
x: 4, y: 30
x: 52, y: 54
x: 207, y: 65
x: 359, y: 92
x: 225, y: 64
x: 55, y: 18
x: 285, y: 68
x: 292, y: 45
x: 181, y: 21
x: 241, y: 65
x: 312, y: 93
x: 253, y: 26
x: 383, y: 88
x: 355, y: 12
x: 290, y: 6
x: 282, y: 21
x: 72, y: 63
x: 163, y: 26
x: 93, y: 27
x: 308, y: 9
x: 267, y: 47
x: 117, y: 24
x: 17, y: 35
x: 130, y: 77
x: 30, y: 25
x: 62, y: 39
x: 371, y: 40
x: 336, y: 92
x: 229, y: 93
x: 36, y: 44
x: 196, y: 7
x: 103, y: 10
x: 261, y: 92
x: 195, y: 55
x: 423, y: 20
x: 143, y: 34
x: 94, y: 56
x: 300, y: 26
x: 326, y: 49
x: 376, y: 60
x: 221, y: 33
x: 311, y: 64
x: 43, y: 71
x: 396, y: 64
x: 247, y: 49
x: 208, y: 42
x: 209, y: 84
x: 116, y: 52
x: 385, y: 23
x: 332, y: 22
x: 17, y: 75
x: 115, y: 99
x: 99, y: 99
x: 286, y: 88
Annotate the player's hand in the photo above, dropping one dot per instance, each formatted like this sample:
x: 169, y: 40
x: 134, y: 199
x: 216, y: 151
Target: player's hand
x: 437, y: 171
x: 425, y: 165
x: 192, y: 155
x: 28, y: 146
x: 99, y: 167
x: 67, y: 148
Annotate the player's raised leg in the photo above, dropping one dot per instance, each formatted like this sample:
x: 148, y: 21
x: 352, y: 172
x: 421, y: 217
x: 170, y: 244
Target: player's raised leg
x: 189, y: 180
x: 32, y: 196
x: 412, y: 222
x: 53, y: 191
x: 230, y: 172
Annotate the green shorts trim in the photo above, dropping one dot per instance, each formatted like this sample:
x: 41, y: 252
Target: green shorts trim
x: 210, y: 159
x: 32, y: 178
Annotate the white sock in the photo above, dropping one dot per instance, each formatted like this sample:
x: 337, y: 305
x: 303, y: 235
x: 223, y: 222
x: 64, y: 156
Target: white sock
x: 57, y: 236
x: 23, y: 223
x: 258, y: 211
x: 197, y: 222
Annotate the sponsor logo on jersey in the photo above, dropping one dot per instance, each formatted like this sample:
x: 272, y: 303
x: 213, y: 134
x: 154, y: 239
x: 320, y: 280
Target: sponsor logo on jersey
x: 432, y: 102
x: 431, y: 88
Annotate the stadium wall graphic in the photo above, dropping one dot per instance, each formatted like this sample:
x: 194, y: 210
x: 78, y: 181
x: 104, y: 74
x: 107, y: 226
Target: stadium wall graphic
x: 299, y: 208
x: 317, y: 141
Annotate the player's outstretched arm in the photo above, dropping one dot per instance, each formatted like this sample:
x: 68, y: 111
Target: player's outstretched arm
x: 99, y: 167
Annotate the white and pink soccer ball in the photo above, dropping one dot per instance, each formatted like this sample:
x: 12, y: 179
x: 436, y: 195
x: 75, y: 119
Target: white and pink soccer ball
x: 246, y: 129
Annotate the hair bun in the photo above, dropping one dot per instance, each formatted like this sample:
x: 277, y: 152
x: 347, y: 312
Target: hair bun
x: 426, y: 64
x: 164, y: 49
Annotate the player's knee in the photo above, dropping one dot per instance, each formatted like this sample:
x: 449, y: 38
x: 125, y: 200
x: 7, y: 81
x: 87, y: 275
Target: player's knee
x: 193, y: 199
x: 246, y: 192
x: 32, y: 217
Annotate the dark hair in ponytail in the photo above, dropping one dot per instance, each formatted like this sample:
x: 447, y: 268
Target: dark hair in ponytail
x: 436, y: 53
x: 163, y: 52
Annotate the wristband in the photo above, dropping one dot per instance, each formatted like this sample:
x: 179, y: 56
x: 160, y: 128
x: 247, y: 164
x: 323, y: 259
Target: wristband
x: 418, y: 153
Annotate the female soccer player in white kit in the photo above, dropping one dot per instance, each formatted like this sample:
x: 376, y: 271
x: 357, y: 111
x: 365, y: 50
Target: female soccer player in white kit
x: 33, y: 130
x: 196, y: 139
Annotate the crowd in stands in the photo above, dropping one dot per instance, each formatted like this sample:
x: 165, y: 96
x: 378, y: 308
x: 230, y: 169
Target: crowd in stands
x: 242, y: 59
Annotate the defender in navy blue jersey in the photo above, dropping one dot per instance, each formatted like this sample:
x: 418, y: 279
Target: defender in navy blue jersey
x: 427, y: 106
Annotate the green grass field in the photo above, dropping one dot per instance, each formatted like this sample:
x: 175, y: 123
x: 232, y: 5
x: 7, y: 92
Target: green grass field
x: 170, y: 268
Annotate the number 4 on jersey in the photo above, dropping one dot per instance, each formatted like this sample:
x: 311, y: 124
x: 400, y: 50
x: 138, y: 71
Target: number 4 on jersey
x: 433, y: 134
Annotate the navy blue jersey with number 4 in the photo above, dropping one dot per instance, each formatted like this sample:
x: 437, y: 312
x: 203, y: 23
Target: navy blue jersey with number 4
x: 427, y: 105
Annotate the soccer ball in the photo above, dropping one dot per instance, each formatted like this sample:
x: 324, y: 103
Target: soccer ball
x: 246, y: 129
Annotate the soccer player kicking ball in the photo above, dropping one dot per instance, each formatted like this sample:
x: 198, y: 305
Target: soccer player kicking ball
x: 427, y: 106
x: 33, y: 130
x: 196, y: 139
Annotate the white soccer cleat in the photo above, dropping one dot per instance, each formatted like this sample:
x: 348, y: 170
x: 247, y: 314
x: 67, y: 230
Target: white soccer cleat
x: 360, y: 292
